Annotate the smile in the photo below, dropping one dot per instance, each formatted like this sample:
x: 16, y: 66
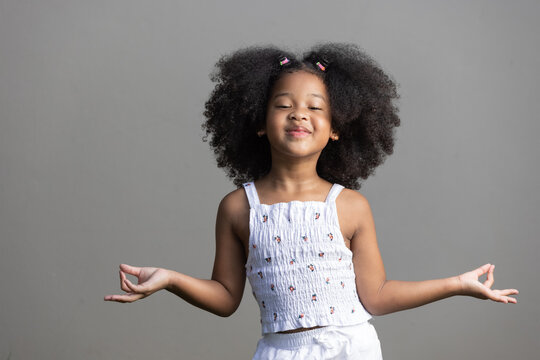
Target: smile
x: 298, y: 132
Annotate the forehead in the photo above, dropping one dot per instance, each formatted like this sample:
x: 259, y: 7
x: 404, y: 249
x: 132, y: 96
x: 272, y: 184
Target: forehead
x: 300, y: 82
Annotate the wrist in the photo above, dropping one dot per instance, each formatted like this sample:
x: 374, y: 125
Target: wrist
x: 168, y: 279
x: 456, y: 287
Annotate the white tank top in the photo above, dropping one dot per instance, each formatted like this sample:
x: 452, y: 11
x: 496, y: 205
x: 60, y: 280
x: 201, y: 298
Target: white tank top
x: 299, y: 268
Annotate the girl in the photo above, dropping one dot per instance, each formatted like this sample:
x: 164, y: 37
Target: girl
x: 296, y: 135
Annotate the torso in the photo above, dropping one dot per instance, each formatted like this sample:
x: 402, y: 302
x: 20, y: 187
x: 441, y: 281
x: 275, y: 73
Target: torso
x: 241, y: 225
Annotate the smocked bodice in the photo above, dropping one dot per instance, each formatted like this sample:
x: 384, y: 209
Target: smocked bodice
x: 299, y: 268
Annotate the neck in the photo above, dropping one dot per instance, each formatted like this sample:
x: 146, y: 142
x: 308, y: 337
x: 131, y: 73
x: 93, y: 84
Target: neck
x: 293, y: 175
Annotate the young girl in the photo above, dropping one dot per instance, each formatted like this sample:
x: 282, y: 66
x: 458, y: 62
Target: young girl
x: 296, y: 135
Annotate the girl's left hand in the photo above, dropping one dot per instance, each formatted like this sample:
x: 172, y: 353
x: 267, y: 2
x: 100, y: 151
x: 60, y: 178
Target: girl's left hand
x: 470, y: 285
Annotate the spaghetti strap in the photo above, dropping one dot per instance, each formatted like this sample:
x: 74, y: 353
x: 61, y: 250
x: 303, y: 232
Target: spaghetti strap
x: 251, y: 193
x: 334, y: 192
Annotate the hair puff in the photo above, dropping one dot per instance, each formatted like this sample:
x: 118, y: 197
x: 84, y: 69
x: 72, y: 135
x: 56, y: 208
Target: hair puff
x: 361, y: 102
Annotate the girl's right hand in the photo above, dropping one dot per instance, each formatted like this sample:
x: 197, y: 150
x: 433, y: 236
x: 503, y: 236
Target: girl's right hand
x: 150, y: 280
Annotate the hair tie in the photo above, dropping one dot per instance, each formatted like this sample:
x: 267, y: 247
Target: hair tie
x: 322, y: 64
x: 284, y: 60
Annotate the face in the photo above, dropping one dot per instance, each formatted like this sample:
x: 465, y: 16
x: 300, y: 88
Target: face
x: 298, y: 121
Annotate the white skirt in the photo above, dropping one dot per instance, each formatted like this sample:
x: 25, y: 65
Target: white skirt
x: 353, y: 342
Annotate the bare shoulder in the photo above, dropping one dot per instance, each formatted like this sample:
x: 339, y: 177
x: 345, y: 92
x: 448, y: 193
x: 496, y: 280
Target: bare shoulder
x: 352, y: 201
x: 353, y: 211
x: 234, y: 203
x: 234, y: 210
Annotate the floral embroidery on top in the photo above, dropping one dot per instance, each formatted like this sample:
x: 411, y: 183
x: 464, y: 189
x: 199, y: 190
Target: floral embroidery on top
x: 313, y: 249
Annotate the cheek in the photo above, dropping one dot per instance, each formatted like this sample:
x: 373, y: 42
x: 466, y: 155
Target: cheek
x: 273, y: 122
x: 324, y: 125
x: 271, y: 126
x: 272, y: 132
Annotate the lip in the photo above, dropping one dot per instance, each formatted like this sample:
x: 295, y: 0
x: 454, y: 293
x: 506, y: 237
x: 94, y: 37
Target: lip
x: 298, y: 132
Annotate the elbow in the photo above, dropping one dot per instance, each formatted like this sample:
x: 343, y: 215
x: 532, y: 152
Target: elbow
x: 224, y: 314
x: 226, y: 311
x: 373, y: 309
x: 374, y: 302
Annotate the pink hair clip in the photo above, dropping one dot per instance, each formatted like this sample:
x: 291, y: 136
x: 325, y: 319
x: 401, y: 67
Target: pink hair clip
x: 284, y: 60
x: 321, y: 66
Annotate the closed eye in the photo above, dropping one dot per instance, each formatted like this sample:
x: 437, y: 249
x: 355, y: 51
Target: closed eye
x: 288, y: 107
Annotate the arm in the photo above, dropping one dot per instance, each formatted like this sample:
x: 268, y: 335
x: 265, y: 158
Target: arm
x: 381, y: 296
x: 220, y: 295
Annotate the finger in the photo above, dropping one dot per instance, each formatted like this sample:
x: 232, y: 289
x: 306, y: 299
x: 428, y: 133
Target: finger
x: 511, y: 300
x: 490, y: 277
x: 132, y: 270
x: 135, y: 288
x: 482, y: 270
x: 506, y: 292
x: 495, y: 296
x: 126, y: 298
x: 500, y: 296
x: 123, y: 286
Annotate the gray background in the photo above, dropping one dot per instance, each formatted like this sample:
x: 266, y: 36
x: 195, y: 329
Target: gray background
x: 101, y: 162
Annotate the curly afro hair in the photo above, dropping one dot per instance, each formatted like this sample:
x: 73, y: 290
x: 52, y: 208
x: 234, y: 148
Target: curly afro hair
x: 361, y: 103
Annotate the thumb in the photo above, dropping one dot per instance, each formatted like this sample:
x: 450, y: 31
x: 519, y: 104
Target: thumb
x: 141, y: 288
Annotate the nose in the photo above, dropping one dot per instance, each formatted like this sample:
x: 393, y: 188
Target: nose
x: 297, y: 115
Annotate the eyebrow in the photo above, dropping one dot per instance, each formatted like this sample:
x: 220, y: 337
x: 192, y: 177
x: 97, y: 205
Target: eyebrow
x: 287, y: 94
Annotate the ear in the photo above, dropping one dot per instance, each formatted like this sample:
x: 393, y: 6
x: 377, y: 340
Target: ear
x: 261, y: 132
